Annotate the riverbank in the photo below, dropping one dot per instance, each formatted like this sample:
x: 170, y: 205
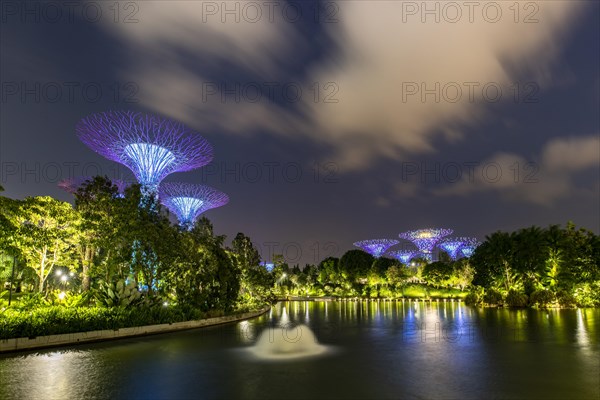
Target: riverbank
x: 68, y: 339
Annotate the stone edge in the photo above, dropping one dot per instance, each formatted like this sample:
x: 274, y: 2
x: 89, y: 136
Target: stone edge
x: 67, y: 339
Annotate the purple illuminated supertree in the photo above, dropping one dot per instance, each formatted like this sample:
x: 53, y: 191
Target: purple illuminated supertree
x: 72, y: 185
x: 151, y: 147
x: 404, y: 256
x: 468, y: 248
x: 376, y: 247
x: 426, y: 239
x: 187, y: 201
x: 452, y: 246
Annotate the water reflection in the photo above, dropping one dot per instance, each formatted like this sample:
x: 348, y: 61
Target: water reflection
x: 393, y: 349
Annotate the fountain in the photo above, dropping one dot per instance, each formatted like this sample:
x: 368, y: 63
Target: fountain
x: 285, y: 343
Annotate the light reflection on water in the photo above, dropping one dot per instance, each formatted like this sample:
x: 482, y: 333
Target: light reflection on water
x: 386, y: 350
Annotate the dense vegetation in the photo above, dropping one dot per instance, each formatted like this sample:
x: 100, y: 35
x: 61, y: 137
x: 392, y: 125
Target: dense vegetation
x: 117, y: 260
x: 119, y: 252
x: 552, y: 267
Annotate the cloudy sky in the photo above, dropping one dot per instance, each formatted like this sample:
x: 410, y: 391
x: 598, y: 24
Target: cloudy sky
x: 332, y: 122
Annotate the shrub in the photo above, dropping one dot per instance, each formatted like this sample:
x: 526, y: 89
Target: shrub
x: 492, y: 297
x: 59, y: 319
x: 515, y: 298
x: 542, y: 298
x: 587, y: 295
x: 472, y: 299
x: 566, y: 299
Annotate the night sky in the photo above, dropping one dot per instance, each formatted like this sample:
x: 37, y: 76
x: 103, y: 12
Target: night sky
x: 331, y: 122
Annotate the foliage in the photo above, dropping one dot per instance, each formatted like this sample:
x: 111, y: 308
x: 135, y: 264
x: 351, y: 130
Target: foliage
x: 515, y: 298
x: 472, y: 299
x: 118, y: 294
x: 492, y: 297
x: 59, y: 319
x: 542, y: 298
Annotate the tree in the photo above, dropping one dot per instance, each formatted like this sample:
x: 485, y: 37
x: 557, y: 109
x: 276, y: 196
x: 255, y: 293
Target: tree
x: 47, y: 235
x: 437, y: 273
x: 492, y: 261
x: 355, y: 265
x: 97, y: 202
x: 255, y: 280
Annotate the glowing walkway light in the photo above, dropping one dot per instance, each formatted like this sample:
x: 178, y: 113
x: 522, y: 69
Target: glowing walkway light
x: 452, y: 246
x: 404, y: 256
x: 376, y: 247
x: 425, y: 239
x: 151, y: 147
x: 189, y: 201
x: 72, y: 185
x: 469, y: 246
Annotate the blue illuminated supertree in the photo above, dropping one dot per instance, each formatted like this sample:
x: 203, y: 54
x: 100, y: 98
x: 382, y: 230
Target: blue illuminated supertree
x: 72, y: 185
x: 404, y: 256
x: 468, y: 248
x: 151, y: 147
x: 187, y: 201
x: 376, y: 247
x: 452, y: 246
x: 426, y: 239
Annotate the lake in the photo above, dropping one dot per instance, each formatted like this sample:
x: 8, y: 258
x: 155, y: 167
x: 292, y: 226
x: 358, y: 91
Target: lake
x: 348, y: 349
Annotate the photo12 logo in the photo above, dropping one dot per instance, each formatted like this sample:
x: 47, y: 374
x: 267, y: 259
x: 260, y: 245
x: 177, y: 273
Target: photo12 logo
x: 453, y: 12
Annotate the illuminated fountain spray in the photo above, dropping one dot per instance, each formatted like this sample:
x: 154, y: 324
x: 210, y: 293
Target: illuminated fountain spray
x: 425, y: 239
x: 189, y: 201
x: 287, y: 342
x: 376, y: 247
x: 151, y: 147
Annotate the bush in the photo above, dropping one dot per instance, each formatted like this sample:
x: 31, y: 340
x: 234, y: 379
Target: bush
x: 566, y: 299
x: 515, y: 298
x: 472, y: 299
x: 542, y: 298
x: 492, y: 297
x: 587, y: 295
x: 59, y: 319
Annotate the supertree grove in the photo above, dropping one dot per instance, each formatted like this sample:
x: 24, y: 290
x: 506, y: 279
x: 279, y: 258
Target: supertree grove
x: 189, y: 201
x: 404, y: 256
x: 426, y: 239
x: 151, y: 147
x: 72, y: 185
x: 376, y: 247
x: 469, y: 246
x: 452, y: 246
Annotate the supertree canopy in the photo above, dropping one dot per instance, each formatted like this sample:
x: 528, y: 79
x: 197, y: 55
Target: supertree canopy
x: 404, y: 256
x: 425, y: 239
x: 469, y: 246
x: 376, y: 247
x: 151, y: 147
x: 72, y: 185
x: 187, y: 201
x: 452, y: 246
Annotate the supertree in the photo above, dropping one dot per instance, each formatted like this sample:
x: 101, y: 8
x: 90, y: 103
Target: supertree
x: 452, y: 246
x: 376, y: 247
x: 469, y: 246
x: 151, y: 147
x: 425, y: 239
x: 187, y: 201
x: 72, y: 185
x: 404, y: 256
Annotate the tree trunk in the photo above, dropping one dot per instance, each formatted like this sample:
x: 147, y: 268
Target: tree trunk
x: 87, y: 261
